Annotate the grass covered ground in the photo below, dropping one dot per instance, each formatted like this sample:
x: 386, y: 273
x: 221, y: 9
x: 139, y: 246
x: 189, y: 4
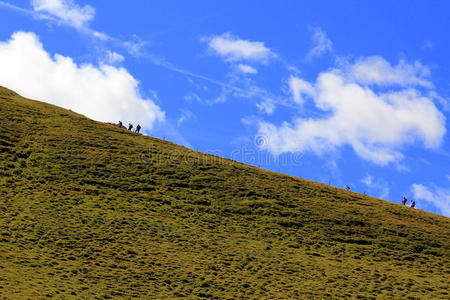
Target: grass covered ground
x: 92, y: 211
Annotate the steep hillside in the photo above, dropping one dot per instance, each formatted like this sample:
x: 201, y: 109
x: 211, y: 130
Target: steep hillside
x: 92, y: 211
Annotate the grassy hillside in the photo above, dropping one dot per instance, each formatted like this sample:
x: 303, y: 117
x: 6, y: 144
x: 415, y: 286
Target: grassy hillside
x: 92, y: 211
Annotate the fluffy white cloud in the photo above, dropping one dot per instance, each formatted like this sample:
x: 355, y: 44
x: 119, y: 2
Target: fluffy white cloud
x: 104, y: 93
x: 375, y: 124
x: 234, y: 49
x: 246, y: 69
x: 375, y: 70
x: 438, y: 197
x: 65, y: 10
x: 321, y: 43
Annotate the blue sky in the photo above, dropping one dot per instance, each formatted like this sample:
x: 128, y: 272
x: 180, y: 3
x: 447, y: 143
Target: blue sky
x: 346, y: 92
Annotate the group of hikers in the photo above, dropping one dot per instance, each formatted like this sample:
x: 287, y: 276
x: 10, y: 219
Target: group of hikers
x: 130, y: 127
x: 347, y: 187
x: 405, y: 200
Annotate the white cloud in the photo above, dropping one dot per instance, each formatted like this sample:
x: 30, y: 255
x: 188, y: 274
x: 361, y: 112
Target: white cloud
x: 65, y: 10
x: 377, y: 185
x: 374, y: 70
x: 246, y: 69
x: 438, y: 197
x: 321, y: 43
x: 104, y: 93
x: 234, y: 49
x: 375, y: 124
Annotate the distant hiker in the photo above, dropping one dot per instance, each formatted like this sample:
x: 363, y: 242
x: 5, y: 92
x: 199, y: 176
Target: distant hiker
x: 130, y: 126
x: 138, y: 128
x: 404, y: 200
x: 413, y: 203
x: 120, y: 124
x: 347, y: 187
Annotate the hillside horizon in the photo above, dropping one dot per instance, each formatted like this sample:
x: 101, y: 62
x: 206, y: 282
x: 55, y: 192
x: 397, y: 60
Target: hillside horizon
x: 92, y: 210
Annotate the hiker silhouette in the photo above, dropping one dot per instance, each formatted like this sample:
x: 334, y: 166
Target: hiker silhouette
x: 404, y: 200
x: 347, y: 187
x: 413, y: 203
x: 138, y: 128
x: 130, y: 126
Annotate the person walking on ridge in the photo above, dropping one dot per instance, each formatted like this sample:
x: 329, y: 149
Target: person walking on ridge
x: 404, y: 200
x: 413, y: 203
x: 138, y: 128
x: 130, y: 126
x: 347, y: 187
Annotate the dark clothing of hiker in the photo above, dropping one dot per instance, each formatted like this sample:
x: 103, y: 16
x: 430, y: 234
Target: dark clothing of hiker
x: 138, y: 128
x: 347, y: 187
x: 413, y: 204
x: 404, y: 201
x: 130, y: 126
x: 120, y: 124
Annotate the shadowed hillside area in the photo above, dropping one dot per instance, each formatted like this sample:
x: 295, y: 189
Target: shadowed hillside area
x: 92, y: 211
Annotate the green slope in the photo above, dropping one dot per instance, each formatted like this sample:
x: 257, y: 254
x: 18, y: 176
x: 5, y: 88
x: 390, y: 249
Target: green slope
x: 92, y: 211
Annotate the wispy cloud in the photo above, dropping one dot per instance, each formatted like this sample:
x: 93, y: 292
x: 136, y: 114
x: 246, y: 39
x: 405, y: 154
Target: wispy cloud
x: 320, y: 43
x: 186, y: 115
x: 169, y: 66
x: 248, y: 89
x: 374, y: 70
x: 67, y: 11
x: 267, y: 106
x: 112, y: 57
x: 193, y: 97
x: 17, y: 8
x: 61, y: 12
